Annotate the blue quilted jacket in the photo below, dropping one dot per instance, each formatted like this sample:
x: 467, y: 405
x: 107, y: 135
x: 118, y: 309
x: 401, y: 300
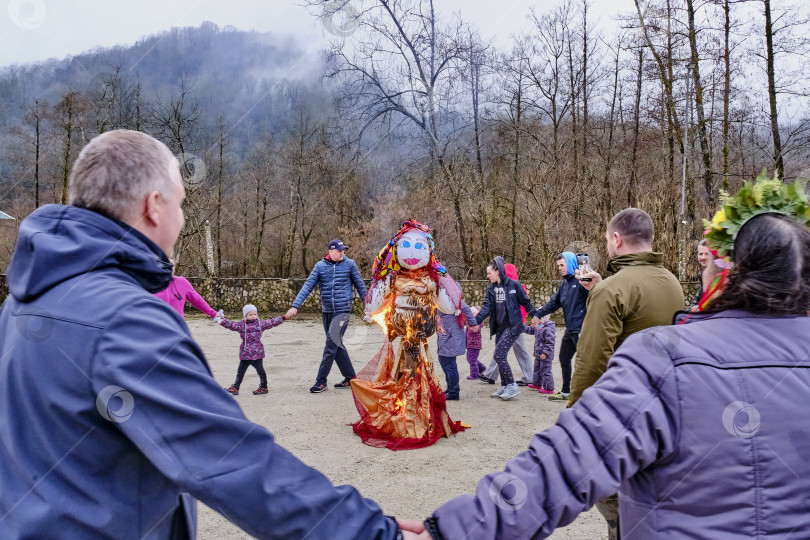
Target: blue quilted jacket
x: 335, y: 280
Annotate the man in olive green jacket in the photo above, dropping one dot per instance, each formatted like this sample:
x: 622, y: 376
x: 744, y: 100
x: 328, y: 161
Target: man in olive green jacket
x: 640, y: 294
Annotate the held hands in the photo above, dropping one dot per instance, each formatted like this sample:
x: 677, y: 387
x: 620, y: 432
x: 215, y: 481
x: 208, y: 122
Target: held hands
x: 292, y: 312
x: 595, y: 278
x: 367, y: 318
x: 219, y: 316
x: 536, y: 322
x: 413, y: 529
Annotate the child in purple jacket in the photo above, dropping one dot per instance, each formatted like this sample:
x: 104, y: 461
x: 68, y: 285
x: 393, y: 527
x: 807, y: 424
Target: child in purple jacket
x: 544, y: 337
x: 251, y: 351
x: 473, y: 350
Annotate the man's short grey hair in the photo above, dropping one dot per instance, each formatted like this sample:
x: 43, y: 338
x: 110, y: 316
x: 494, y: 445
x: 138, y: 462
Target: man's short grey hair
x: 635, y: 226
x: 117, y: 170
x: 703, y: 242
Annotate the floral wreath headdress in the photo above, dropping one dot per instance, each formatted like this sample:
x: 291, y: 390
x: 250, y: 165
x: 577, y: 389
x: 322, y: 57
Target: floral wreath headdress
x: 763, y: 196
x: 386, y: 261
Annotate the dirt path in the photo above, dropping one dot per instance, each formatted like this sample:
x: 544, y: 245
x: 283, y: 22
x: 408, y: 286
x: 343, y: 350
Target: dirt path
x: 315, y: 427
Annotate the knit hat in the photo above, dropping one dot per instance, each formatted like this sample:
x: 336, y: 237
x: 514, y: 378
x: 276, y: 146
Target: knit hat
x: 248, y: 308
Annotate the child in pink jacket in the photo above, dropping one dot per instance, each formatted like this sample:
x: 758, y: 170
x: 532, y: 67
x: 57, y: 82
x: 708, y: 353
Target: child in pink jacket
x: 180, y: 290
x: 251, y: 351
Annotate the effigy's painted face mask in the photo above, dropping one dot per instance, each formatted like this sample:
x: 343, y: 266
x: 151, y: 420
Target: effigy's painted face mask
x: 413, y: 250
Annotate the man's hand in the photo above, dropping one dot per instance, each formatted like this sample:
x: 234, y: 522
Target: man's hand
x: 292, y: 312
x: 473, y: 328
x: 595, y: 278
x: 536, y: 322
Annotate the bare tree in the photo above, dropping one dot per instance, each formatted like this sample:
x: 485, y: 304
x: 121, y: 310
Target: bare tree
x: 694, y: 62
x: 35, y: 117
x: 401, y: 65
x: 68, y: 115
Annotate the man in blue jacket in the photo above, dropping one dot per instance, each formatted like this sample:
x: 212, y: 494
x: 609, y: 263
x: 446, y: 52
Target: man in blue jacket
x: 335, y: 274
x: 571, y: 297
x: 111, y: 423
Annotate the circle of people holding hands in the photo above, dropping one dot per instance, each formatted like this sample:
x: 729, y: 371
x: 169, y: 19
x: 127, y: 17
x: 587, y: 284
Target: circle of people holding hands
x: 676, y: 423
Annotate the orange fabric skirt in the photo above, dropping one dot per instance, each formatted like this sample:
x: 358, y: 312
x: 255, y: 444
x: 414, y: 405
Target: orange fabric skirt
x: 400, y: 400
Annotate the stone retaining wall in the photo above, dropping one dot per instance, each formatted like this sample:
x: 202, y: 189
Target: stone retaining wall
x: 272, y: 295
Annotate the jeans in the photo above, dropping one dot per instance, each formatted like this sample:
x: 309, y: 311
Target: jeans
x: 450, y: 369
x: 568, y: 348
x: 334, y: 326
x: 258, y: 365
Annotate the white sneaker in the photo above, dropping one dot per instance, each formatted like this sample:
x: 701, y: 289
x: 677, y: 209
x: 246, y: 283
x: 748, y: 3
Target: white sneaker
x: 498, y: 392
x: 511, y: 391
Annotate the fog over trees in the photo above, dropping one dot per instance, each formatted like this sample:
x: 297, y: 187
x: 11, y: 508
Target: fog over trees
x: 521, y: 149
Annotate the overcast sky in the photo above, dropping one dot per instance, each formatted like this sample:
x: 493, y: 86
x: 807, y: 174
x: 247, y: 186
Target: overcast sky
x: 32, y: 30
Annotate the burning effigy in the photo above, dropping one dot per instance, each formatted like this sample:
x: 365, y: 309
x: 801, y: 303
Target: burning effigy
x: 398, y: 395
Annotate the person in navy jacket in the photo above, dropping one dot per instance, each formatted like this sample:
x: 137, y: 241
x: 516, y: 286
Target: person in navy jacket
x: 335, y: 274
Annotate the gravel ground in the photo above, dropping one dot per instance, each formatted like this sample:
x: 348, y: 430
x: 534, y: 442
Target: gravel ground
x: 316, y: 427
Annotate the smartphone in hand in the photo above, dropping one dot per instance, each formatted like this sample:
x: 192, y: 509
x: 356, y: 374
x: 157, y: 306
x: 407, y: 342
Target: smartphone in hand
x: 584, y: 264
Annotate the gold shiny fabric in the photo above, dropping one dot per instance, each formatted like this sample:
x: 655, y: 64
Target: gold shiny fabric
x: 400, y: 405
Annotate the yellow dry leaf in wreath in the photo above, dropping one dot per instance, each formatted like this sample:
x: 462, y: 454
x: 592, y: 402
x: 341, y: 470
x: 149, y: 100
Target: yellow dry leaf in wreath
x: 719, y: 218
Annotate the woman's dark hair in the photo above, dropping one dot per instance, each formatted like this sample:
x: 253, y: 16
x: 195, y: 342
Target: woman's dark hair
x: 771, y: 268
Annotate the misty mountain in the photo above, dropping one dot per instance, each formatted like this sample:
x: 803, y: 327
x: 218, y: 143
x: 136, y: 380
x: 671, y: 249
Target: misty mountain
x: 249, y: 80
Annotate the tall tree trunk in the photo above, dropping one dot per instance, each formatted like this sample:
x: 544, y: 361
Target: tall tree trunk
x: 138, y: 106
x: 516, y: 162
x: 777, y: 140
x: 632, y: 197
x: 37, y: 120
x: 726, y: 89
x: 66, y: 154
x: 260, y: 236
x: 574, y: 110
x: 220, y: 174
x: 585, y: 86
x: 289, y: 244
x: 483, y: 214
x: 457, y: 213
x: 513, y: 223
x: 605, y: 200
x: 704, y: 144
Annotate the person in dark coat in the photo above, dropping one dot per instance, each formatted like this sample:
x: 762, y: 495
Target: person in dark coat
x: 335, y: 275
x: 111, y: 423
x: 504, y: 298
x: 572, y: 298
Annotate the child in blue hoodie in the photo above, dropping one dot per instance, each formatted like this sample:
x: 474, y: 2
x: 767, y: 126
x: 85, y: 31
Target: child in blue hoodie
x: 544, y: 338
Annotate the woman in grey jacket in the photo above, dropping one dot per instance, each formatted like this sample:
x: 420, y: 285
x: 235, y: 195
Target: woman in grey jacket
x: 690, y: 423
